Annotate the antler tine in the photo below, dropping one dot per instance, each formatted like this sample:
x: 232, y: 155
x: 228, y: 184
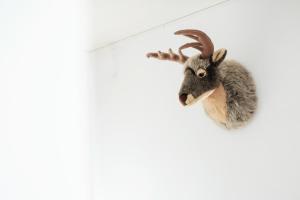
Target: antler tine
x: 181, y: 58
x: 202, y: 38
x: 195, y: 45
x: 193, y: 37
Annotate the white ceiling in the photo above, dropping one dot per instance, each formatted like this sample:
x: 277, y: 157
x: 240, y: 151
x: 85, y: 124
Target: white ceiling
x: 117, y: 19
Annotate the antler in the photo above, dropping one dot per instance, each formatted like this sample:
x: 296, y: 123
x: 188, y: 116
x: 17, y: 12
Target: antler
x: 181, y: 58
x: 204, y: 43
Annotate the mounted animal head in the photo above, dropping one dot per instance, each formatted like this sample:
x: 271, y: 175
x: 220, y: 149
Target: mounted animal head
x: 200, y: 71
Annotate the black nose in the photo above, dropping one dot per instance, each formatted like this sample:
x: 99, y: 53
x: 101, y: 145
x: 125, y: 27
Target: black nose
x: 182, y: 98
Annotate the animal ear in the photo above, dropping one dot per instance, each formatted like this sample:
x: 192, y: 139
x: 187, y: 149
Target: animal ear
x: 218, y: 56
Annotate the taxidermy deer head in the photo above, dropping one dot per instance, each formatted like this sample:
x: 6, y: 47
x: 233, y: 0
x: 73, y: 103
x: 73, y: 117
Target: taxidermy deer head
x: 226, y: 88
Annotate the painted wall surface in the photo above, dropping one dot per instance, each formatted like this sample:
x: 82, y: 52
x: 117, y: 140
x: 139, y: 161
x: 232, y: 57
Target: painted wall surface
x: 44, y: 138
x: 137, y: 16
x: 146, y: 145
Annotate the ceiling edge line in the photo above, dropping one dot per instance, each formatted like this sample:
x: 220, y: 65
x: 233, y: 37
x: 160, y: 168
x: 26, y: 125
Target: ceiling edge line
x: 158, y: 26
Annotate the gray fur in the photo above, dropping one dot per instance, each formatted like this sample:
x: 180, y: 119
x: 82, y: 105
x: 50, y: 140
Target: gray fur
x: 237, y: 82
x: 240, y: 90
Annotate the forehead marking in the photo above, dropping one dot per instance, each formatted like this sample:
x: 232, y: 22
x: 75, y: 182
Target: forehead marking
x: 195, y: 62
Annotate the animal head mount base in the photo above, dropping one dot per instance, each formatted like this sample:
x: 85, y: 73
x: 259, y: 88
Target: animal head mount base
x: 225, y: 87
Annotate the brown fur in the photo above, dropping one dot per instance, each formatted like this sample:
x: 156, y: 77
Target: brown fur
x: 215, y: 105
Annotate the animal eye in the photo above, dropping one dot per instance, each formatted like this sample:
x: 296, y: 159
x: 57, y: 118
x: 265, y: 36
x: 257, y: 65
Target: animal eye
x: 201, y: 73
x: 188, y: 69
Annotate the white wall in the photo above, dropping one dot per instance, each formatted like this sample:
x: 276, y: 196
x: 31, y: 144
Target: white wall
x: 147, y: 146
x: 44, y: 138
x: 137, y: 16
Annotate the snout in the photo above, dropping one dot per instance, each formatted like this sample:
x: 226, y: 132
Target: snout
x: 183, y: 98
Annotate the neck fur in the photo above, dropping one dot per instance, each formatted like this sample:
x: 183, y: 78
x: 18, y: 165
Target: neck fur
x: 215, y: 104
